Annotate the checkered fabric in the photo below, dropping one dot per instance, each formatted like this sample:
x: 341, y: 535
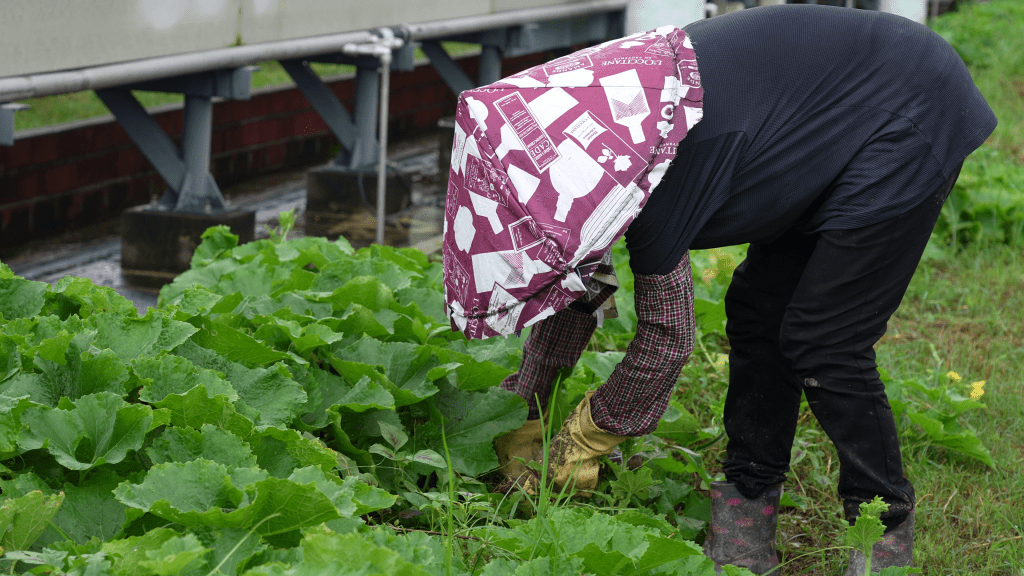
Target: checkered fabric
x: 633, y: 399
x: 553, y: 344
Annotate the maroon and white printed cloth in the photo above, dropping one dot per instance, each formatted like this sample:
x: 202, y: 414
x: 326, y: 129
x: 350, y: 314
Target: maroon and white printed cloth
x: 550, y: 166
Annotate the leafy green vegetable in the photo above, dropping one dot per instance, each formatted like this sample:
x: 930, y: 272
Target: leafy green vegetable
x: 98, y: 429
x: 23, y: 520
x: 472, y: 421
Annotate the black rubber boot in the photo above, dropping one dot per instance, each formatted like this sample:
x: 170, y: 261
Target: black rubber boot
x: 742, y: 531
x: 896, y: 550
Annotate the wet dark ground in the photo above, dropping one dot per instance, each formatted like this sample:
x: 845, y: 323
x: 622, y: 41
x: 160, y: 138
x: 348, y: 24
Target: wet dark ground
x: 95, y: 252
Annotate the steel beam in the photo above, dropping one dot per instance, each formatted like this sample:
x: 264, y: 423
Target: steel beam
x: 366, y: 149
x: 323, y: 100
x: 450, y: 72
x: 190, y: 186
x: 154, y: 144
x: 199, y: 192
x: 490, y: 64
x: 233, y: 84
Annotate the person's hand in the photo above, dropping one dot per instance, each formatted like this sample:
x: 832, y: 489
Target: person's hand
x: 526, y: 443
x: 577, y: 449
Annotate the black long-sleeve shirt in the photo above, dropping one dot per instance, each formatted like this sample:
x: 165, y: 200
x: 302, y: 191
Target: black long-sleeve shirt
x: 815, y: 117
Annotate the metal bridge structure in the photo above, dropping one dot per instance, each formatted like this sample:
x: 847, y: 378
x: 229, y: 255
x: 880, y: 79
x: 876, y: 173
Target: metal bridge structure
x: 296, y: 37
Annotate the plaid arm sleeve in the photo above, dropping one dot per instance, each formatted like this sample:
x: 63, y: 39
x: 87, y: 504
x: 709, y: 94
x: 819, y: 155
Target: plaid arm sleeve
x: 553, y: 344
x: 636, y: 395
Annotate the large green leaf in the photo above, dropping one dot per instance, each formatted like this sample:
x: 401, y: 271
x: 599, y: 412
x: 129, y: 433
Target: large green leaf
x: 337, y: 274
x: 181, y: 555
x: 325, y: 390
x: 233, y: 344
x: 90, y: 511
x: 182, y: 444
x: 19, y: 298
x: 80, y: 296
x: 169, y: 374
x: 10, y: 357
x: 198, y: 406
x: 471, y: 421
x: 201, y: 493
x: 10, y: 423
x: 193, y: 301
x: 429, y: 300
x: 406, y: 367
x: 281, y: 450
x: 607, y: 545
x: 270, y: 391
x: 678, y: 424
x: 97, y: 429
x: 23, y: 520
x: 183, y: 487
x: 130, y: 337
x: 964, y: 441
x: 72, y: 370
x: 325, y: 553
x: 351, y: 496
x: 129, y: 554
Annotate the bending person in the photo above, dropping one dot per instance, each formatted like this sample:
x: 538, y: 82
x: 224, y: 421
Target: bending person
x: 830, y: 140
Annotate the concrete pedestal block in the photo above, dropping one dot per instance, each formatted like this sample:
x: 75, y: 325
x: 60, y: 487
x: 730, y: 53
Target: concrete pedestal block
x: 332, y: 189
x: 157, y: 245
x: 334, y: 196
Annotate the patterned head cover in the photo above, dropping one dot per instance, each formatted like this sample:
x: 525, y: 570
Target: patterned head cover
x: 550, y: 166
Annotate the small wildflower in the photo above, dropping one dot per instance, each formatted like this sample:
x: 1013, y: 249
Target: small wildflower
x: 708, y: 275
x: 953, y: 376
x: 977, y: 389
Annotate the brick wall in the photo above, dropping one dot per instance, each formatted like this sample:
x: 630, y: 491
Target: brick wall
x: 57, y: 179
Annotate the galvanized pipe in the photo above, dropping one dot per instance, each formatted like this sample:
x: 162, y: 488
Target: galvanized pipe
x: 382, y: 160
x: 381, y: 48
x: 111, y: 75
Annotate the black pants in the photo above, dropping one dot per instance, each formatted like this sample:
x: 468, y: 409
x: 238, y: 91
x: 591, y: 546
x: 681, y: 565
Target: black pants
x: 804, y: 313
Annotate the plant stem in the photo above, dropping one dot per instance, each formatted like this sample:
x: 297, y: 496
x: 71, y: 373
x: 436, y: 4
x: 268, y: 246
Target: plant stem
x: 449, y: 542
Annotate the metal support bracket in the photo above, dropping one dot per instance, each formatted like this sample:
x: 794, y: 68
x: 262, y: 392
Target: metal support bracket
x: 7, y: 111
x: 190, y: 186
x: 234, y: 84
x: 452, y: 74
x: 323, y: 100
x: 360, y: 147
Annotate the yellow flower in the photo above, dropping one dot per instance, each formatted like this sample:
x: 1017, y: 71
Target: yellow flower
x: 977, y: 389
x: 953, y: 376
x: 708, y: 275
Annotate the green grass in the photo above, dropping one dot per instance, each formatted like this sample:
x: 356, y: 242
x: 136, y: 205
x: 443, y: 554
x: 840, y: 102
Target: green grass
x: 990, y: 39
x: 965, y: 314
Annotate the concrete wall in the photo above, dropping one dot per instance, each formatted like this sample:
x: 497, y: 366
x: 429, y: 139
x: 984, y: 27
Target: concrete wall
x: 57, y: 179
x: 48, y: 35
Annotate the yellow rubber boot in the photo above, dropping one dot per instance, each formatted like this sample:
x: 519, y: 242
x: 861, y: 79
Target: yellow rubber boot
x: 577, y: 449
x: 527, y: 443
